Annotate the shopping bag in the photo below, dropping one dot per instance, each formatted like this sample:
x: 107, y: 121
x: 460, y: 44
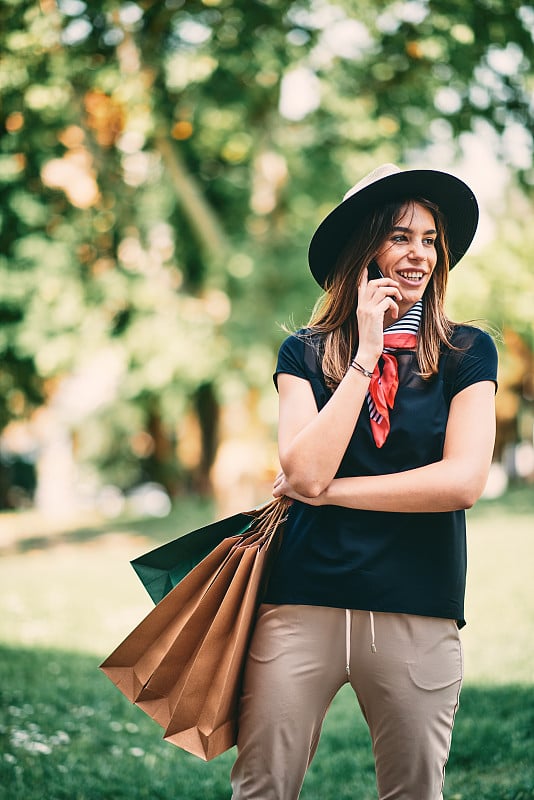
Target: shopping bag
x: 161, y: 569
x: 133, y: 662
x: 183, y: 664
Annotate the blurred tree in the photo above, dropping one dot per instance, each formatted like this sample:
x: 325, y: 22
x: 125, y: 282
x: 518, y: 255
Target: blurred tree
x: 161, y: 167
x: 500, y: 286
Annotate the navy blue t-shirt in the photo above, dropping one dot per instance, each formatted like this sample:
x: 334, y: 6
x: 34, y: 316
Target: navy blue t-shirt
x: 372, y: 560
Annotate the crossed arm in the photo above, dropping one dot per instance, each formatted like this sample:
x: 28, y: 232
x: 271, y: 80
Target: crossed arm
x: 312, y: 444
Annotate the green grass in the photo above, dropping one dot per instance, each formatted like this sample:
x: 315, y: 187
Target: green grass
x: 27, y: 531
x: 67, y: 734
x: 68, y: 596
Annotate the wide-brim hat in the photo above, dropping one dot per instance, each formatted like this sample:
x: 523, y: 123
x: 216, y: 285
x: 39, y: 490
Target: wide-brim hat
x: 454, y: 198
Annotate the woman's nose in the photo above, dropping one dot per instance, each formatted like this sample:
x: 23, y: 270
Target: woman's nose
x: 417, y: 250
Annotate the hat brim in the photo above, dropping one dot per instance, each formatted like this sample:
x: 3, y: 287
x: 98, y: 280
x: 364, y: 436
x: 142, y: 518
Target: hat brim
x: 454, y: 198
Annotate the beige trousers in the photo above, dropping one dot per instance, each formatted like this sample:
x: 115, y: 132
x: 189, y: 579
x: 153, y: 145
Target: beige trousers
x: 406, y: 672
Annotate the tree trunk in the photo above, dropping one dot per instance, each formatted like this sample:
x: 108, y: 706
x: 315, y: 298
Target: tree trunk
x: 207, y: 409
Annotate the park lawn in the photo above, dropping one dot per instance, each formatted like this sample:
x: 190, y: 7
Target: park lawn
x: 66, y: 732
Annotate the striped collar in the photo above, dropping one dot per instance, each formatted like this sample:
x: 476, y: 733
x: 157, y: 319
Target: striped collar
x: 410, y: 322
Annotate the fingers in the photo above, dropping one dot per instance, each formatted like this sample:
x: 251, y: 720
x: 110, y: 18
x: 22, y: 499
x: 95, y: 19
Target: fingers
x: 381, y: 297
x: 392, y: 306
x: 376, y: 298
x: 383, y: 287
x: 377, y: 288
x: 380, y: 294
x: 279, y: 485
x: 282, y: 488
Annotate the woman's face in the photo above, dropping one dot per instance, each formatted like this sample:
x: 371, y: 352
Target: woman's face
x: 408, y: 255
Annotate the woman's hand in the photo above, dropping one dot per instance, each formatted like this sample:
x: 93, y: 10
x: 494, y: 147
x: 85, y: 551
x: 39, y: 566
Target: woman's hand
x: 282, y: 487
x: 312, y: 442
x: 376, y: 298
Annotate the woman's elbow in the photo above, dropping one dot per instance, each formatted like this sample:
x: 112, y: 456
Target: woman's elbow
x: 302, y: 476
x: 466, y: 501
x: 309, y: 488
x: 469, y: 490
x: 306, y: 485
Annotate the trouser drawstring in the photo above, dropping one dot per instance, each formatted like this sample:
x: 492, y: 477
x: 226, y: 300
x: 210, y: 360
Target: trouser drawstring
x: 348, y: 621
x: 348, y: 628
x: 372, y: 619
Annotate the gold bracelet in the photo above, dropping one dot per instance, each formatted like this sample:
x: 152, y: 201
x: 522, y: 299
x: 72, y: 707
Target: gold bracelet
x: 354, y: 364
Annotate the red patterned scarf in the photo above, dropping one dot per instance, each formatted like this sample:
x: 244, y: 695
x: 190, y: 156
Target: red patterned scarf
x: 402, y: 335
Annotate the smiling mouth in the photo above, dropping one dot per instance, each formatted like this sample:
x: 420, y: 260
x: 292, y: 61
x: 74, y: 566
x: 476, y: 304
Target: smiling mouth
x: 413, y: 276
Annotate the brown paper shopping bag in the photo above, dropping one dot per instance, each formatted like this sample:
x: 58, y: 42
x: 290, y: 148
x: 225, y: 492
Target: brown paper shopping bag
x: 204, y: 701
x: 183, y: 664
x: 132, y: 663
x: 191, y: 625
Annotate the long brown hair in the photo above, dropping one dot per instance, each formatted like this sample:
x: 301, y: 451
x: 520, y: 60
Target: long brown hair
x: 334, y: 315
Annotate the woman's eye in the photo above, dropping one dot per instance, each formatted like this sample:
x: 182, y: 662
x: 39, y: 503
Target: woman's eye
x: 429, y: 241
x: 400, y: 237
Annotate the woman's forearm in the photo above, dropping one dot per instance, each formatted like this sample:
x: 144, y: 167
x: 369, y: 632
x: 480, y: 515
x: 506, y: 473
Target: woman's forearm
x: 446, y: 485
x: 455, y: 482
x: 311, y: 457
x: 311, y: 453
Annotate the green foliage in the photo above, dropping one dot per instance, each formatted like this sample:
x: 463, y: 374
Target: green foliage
x: 155, y: 202
x: 500, y: 283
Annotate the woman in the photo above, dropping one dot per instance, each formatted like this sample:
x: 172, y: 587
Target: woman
x: 368, y: 585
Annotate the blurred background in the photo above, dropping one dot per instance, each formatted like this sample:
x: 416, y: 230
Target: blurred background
x: 162, y: 168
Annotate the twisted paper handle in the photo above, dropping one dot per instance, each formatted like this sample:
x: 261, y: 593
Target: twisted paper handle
x: 271, y: 515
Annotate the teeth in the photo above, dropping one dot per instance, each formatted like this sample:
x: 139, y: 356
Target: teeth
x: 411, y: 276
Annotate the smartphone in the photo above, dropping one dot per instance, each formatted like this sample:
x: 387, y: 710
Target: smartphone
x: 373, y: 271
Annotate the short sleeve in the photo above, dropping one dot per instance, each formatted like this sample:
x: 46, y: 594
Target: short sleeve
x: 300, y: 355
x: 477, y: 359
x: 291, y: 358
